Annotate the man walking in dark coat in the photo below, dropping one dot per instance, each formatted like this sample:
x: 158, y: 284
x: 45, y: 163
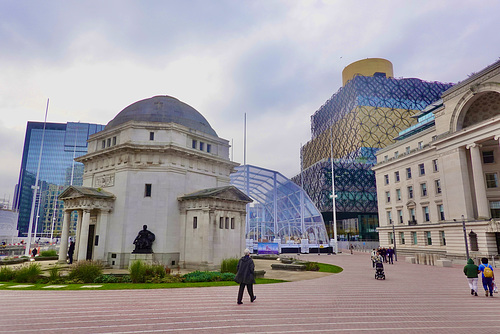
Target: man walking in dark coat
x: 245, y: 276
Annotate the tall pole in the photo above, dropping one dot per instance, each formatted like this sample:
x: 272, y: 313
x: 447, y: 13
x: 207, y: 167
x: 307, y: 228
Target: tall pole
x: 334, y: 214
x: 394, y: 240
x: 465, y: 238
x: 53, y: 221
x: 35, y: 191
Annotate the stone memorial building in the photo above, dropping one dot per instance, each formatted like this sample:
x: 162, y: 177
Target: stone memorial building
x: 158, y: 163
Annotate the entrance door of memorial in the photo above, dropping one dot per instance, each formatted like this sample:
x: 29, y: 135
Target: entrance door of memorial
x: 90, y: 243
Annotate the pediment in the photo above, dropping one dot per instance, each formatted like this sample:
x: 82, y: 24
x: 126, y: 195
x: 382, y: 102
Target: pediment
x: 80, y: 192
x: 230, y: 193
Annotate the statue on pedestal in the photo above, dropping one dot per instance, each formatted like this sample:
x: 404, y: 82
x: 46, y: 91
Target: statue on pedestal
x: 144, y: 241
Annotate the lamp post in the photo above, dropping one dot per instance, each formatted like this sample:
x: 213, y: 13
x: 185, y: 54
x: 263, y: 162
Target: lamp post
x: 394, y: 240
x: 465, y: 238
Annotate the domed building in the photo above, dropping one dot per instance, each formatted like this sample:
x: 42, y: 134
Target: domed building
x: 157, y: 163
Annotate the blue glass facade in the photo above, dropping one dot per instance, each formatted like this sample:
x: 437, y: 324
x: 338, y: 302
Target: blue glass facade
x: 61, y: 144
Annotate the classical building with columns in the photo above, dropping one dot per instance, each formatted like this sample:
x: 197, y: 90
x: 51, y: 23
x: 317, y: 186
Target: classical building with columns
x: 442, y: 174
x: 157, y: 163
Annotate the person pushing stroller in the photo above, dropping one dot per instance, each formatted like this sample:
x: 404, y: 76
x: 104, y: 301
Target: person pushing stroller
x: 379, y: 266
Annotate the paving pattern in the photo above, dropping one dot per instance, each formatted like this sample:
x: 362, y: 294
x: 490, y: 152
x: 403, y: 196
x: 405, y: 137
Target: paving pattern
x: 412, y: 299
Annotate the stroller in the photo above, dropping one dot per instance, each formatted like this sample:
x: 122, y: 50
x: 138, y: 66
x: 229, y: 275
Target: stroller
x: 379, y: 270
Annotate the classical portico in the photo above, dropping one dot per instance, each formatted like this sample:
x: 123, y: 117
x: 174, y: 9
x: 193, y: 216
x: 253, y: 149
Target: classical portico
x: 93, y: 206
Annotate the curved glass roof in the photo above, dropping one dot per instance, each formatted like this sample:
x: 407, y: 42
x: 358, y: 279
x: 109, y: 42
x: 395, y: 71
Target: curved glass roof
x: 281, y: 209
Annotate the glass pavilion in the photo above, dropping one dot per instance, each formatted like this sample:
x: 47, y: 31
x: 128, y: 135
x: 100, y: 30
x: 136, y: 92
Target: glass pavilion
x: 281, y: 209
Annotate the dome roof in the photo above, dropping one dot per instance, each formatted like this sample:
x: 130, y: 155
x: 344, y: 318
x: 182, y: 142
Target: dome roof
x: 163, y: 109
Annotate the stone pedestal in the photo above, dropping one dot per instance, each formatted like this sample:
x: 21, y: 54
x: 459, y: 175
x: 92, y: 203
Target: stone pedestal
x: 146, y: 258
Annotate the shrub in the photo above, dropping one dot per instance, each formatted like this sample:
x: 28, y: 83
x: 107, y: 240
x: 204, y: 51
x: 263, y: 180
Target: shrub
x: 54, y: 274
x: 208, y: 276
x: 50, y: 252
x: 138, y: 271
x: 107, y: 279
x: 312, y: 266
x: 28, y: 273
x: 85, y: 271
x: 7, y: 274
x: 229, y: 265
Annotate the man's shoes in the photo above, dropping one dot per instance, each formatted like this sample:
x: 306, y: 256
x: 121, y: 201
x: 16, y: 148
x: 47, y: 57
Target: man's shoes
x: 239, y: 303
x: 253, y: 299
x: 471, y: 291
x: 475, y: 293
x: 486, y: 293
x: 491, y: 294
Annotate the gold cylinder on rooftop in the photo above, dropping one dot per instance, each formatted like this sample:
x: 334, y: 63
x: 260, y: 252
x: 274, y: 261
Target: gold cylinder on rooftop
x: 368, y: 67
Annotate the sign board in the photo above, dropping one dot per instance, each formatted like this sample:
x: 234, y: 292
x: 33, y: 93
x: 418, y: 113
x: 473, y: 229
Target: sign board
x: 268, y: 248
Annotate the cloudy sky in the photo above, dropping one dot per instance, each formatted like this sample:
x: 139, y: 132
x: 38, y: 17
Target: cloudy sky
x: 276, y: 61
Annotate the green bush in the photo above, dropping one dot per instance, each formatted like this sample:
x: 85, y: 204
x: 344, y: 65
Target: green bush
x: 208, y: 276
x: 28, y: 273
x: 312, y: 266
x: 54, y: 274
x: 50, y: 252
x: 85, y: 271
x: 138, y: 272
x: 229, y: 265
x: 107, y: 279
x: 7, y: 274
x: 141, y: 272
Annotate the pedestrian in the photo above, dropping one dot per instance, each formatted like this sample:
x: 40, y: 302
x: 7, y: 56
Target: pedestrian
x: 488, y: 276
x: 390, y: 255
x: 71, y: 251
x: 34, y: 252
x: 472, y: 271
x: 373, y: 257
x: 245, y: 276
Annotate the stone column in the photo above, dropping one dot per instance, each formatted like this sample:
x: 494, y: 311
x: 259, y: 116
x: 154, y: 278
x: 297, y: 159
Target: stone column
x: 84, y: 236
x: 63, y: 247
x: 483, y: 211
x: 101, y: 232
x: 77, y: 232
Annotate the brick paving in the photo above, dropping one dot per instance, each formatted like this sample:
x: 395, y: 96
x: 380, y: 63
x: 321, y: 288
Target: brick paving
x: 412, y: 299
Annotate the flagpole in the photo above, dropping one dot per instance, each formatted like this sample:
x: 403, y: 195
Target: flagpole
x: 35, y: 188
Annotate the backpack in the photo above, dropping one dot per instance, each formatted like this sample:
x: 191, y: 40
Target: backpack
x: 487, y: 272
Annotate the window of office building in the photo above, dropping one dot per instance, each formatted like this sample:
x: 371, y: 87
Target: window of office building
x: 421, y: 169
x: 195, y: 222
x: 109, y: 142
x: 425, y: 210
x: 389, y: 217
x: 411, y: 212
x: 441, y: 211
x: 402, y: 237
x: 221, y: 223
x: 398, y: 194
x: 396, y: 154
x: 400, y: 216
x: 408, y: 173
x: 423, y: 189
x: 410, y: 192
x: 387, y: 196
x: 488, y: 157
x: 386, y: 179
x: 209, y: 148
x: 396, y: 176
x: 495, y: 209
x: 227, y: 223
x: 414, y: 238
x: 104, y: 144
x: 443, y: 238
x: 202, y: 146
x: 114, y: 141
x: 437, y: 184
x: 391, y: 238
x: 408, y: 150
x: 232, y: 223
x: 194, y: 143
x: 429, y: 238
x: 151, y: 136
x: 491, y: 180
x: 435, y: 167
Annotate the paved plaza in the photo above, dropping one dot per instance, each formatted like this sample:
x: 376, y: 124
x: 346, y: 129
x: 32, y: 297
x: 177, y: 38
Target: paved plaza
x: 412, y: 299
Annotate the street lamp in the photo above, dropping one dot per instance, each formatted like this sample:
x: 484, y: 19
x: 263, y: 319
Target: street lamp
x: 465, y: 238
x: 394, y: 240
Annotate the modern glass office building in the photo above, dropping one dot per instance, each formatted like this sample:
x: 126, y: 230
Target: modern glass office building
x: 281, y: 209
x: 62, y: 142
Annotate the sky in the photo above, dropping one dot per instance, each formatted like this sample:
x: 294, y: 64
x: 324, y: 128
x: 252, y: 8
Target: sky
x: 274, y: 61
